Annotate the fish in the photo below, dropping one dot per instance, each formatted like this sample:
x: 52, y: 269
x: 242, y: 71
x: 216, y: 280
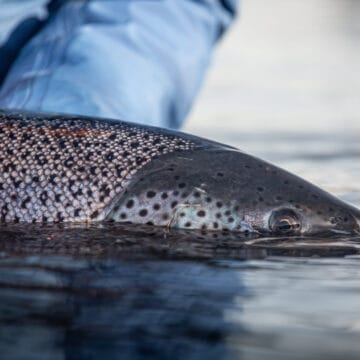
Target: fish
x: 69, y: 168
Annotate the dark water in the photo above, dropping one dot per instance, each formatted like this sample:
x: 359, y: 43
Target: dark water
x: 115, y: 292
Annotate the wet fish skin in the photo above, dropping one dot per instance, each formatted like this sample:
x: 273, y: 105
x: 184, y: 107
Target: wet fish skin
x: 56, y: 168
x: 216, y: 188
x: 60, y: 168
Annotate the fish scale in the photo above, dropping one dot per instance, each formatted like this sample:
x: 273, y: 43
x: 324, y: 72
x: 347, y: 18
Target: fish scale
x: 61, y: 168
x: 57, y: 168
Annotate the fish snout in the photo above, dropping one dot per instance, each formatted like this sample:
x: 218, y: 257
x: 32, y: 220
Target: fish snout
x: 356, y: 222
x: 347, y: 223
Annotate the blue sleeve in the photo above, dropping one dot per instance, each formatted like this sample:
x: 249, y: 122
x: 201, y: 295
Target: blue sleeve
x: 137, y: 60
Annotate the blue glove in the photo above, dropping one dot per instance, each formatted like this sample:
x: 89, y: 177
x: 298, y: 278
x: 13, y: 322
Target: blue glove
x: 137, y: 60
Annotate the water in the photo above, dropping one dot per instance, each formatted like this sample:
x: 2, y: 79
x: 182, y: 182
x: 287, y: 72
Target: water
x: 118, y: 291
x: 284, y: 86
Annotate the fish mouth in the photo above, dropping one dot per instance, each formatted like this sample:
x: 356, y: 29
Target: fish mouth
x: 356, y: 229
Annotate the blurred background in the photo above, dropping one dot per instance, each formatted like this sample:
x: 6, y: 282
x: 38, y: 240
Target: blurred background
x: 285, y: 85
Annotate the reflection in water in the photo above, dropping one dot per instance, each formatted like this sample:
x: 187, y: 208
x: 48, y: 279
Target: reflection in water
x: 84, y: 308
x: 120, y: 291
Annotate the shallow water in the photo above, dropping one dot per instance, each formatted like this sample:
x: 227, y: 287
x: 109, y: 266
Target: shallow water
x: 111, y: 291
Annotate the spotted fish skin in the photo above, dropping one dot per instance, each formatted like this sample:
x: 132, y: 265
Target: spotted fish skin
x: 57, y: 168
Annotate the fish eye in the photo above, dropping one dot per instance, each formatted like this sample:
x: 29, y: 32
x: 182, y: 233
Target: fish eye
x: 284, y: 221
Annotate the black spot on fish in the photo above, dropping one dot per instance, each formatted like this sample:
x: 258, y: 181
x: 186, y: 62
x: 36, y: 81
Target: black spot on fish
x: 43, y: 197
x: 139, y: 160
x: 110, y: 156
x: 52, y: 178
x: 201, y: 213
x: 143, y: 212
x: 130, y: 204
x: 60, y: 217
x: 150, y: 194
x: 182, y: 185
x: 94, y: 214
x: 219, y: 204
x: 156, y: 207
x: 164, y: 196
x: 174, y: 203
x: 89, y: 155
x: 24, y: 202
x: 188, y: 224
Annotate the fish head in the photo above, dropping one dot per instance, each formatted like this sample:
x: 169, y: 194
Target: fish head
x: 228, y: 190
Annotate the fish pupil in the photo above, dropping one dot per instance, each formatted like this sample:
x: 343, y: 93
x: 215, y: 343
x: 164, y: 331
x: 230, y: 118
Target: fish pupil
x: 284, y: 225
x: 284, y: 221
